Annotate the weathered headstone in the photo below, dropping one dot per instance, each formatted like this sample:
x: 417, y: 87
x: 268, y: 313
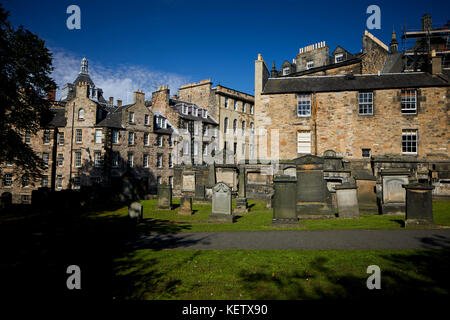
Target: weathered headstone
x: 164, y: 197
x: 136, y: 211
x: 313, y: 198
x: 419, y: 204
x: 221, y: 204
x: 284, y: 200
x: 367, y: 197
x: 185, y: 206
x: 347, y: 200
x: 188, y: 181
x: 241, y: 200
x: 394, y: 195
x: 199, y: 192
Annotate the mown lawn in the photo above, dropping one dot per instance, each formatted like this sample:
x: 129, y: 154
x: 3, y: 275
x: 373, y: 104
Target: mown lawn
x: 278, y: 274
x: 259, y: 218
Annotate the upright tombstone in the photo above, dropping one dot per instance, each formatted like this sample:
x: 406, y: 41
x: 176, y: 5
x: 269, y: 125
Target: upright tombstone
x: 164, y: 197
x: 313, y: 198
x: 136, y: 211
x: 284, y: 200
x: 188, y: 186
x: 367, y: 196
x: 241, y: 200
x: 185, y: 206
x: 211, y: 180
x: 393, y: 193
x: 199, y: 192
x: 347, y: 200
x: 419, y: 205
x: 221, y: 204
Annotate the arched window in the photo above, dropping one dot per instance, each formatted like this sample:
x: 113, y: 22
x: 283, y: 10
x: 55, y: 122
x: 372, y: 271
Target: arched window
x: 234, y: 126
x: 81, y: 114
x: 243, y: 128
x: 225, y: 125
x: 252, y: 128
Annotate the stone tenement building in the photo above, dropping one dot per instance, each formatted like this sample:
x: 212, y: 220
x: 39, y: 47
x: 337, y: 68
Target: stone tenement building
x: 235, y: 112
x: 365, y: 108
x: 91, y: 141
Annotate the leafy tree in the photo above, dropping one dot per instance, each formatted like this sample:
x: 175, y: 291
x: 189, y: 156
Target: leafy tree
x: 25, y: 68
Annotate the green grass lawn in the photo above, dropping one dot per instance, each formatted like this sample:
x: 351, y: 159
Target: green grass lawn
x: 259, y: 218
x: 278, y: 274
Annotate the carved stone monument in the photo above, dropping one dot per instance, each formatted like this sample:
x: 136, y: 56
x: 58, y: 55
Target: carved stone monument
x: 136, y: 211
x: 419, y: 205
x: 164, y: 197
x: 221, y: 204
x: 313, y: 198
x: 394, y: 195
x: 185, y: 206
x: 241, y: 200
x: 284, y: 204
x: 188, y: 182
x: 347, y: 200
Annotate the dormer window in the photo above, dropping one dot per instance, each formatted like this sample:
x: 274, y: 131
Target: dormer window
x: 205, y: 113
x: 195, y: 111
x: 185, y: 109
x: 339, y: 58
x: 310, y: 65
x: 286, y: 71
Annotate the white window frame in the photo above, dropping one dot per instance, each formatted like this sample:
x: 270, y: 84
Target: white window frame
x: 46, y: 137
x: 159, y: 160
x: 146, y: 119
x: 8, y: 179
x: 309, y: 65
x: 115, y: 136
x: 98, y: 161
x: 131, y: 117
x: 286, y: 71
x: 78, y: 159
x: 340, y: 57
x: 45, y: 157
x: 226, y: 103
x: 78, y: 136
x: 409, y: 102
x: 98, y: 136
x: 146, y: 139
x: 365, y: 103
x: 410, y: 140
x: 131, y: 138
x: 251, y: 109
x: 304, y: 142
x: 61, y: 138
x: 81, y: 114
x: 235, y: 127
x: 145, y: 162
x: 195, y: 148
x: 60, y: 159
x: 235, y: 105
x: 130, y: 160
x: 304, y: 103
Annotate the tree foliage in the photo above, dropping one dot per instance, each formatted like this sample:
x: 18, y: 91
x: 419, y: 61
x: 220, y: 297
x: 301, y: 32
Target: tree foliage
x: 25, y: 68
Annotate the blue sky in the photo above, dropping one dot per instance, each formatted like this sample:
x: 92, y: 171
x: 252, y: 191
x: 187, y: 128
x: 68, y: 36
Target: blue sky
x: 148, y: 43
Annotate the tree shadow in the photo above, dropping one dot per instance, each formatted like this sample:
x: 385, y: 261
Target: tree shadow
x: 417, y: 274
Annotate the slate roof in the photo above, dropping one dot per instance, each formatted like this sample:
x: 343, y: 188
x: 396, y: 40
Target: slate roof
x: 355, y: 83
x: 112, y: 120
x: 59, y: 118
x: 177, y: 106
x: 393, y: 63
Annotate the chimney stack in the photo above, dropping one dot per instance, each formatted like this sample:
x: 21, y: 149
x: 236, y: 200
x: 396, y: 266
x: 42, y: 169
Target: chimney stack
x: 51, y: 94
x: 111, y: 100
x: 436, y: 63
x: 119, y: 102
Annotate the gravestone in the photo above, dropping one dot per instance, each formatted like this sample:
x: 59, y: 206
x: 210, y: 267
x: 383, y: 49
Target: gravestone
x: 313, y: 198
x: 211, y: 180
x: 241, y: 200
x: 136, y: 211
x: 185, y: 206
x: 221, y: 204
x: 199, y: 192
x: 347, y: 200
x: 284, y: 200
x: 164, y: 197
x: 367, y: 196
x: 419, y: 205
x: 188, y: 182
x: 393, y: 193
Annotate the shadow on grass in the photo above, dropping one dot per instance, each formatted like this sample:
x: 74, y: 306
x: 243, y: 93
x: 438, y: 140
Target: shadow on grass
x: 423, y: 273
x: 38, y: 248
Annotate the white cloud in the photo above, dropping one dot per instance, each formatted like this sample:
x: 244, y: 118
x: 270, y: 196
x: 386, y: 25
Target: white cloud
x: 119, y: 82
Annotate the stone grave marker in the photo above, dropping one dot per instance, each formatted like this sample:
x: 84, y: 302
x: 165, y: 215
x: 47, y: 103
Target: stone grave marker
x: 313, y: 198
x: 185, y: 206
x: 284, y: 200
x: 347, y: 200
x: 136, y: 211
x: 241, y: 200
x: 393, y: 193
x: 419, y: 205
x: 221, y: 204
x: 164, y: 197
